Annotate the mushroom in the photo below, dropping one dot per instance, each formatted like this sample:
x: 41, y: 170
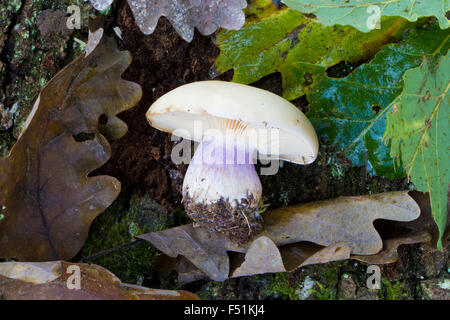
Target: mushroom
x: 221, y: 189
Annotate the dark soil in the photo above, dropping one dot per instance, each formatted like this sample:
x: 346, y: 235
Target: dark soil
x: 240, y: 223
x: 162, y: 61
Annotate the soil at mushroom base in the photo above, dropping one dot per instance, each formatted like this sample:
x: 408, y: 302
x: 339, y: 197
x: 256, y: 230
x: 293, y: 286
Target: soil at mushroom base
x: 224, y: 166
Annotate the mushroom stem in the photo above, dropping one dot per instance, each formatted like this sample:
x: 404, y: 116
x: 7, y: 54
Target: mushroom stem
x: 221, y: 189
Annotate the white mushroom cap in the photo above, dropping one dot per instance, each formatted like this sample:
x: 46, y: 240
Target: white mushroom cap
x: 244, y: 109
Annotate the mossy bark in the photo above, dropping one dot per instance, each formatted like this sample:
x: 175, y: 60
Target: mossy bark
x: 35, y: 44
x: 117, y: 226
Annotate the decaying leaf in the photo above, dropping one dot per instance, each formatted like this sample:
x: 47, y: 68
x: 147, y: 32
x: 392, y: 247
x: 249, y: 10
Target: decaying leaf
x: 351, y: 112
x: 294, y: 236
x: 34, y: 272
x: 187, y: 272
x: 101, y: 4
x: 424, y: 223
x: 389, y: 253
x: 185, y: 15
x: 305, y: 253
x: 48, y: 196
x: 364, y: 14
x: 396, y: 234
x: 417, y: 128
x: 288, y: 258
x: 206, y: 250
x: 283, y: 40
x: 345, y: 219
x: 263, y: 256
x: 49, y: 281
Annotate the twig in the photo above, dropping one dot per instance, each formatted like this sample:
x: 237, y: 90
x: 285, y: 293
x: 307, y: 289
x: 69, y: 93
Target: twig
x: 108, y: 251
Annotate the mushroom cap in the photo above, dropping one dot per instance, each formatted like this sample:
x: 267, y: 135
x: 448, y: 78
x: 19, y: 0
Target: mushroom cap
x: 241, y: 109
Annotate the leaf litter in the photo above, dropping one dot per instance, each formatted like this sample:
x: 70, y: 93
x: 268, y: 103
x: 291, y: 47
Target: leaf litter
x: 300, y: 235
x: 54, y: 281
x: 185, y: 15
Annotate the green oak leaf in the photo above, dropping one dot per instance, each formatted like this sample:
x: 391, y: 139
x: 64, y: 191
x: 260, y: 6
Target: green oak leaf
x: 351, y: 112
x: 286, y: 41
x: 418, y: 129
x: 364, y: 14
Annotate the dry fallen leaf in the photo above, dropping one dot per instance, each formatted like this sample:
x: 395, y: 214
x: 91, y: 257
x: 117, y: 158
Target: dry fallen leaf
x: 48, y: 196
x: 185, y: 15
x: 295, y: 236
x: 305, y: 253
x: 49, y: 281
x: 389, y: 253
x: 206, y: 250
x: 396, y: 234
x: 263, y: 256
x: 101, y: 4
x: 187, y: 272
x: 293, y: 256
x: 345, y: 219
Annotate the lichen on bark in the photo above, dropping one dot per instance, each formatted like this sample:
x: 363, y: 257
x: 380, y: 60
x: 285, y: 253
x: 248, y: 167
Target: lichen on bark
x: 34, y: 46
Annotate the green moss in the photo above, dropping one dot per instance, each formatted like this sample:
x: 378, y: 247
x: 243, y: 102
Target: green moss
x: 326, y: 273
x: 280, y: 287
x: 180, y: 217
x: 285, y: 286
x: 106, y: 12
x: 210, y: 291
x: 118, y: 225
x: 336, y: 167
x: 327, y: 276
x: 324, y: 293
x: 393, y: 291
x: 14, y: 5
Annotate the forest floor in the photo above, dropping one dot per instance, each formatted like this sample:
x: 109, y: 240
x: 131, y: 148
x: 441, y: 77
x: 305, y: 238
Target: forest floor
x: 35, y: 44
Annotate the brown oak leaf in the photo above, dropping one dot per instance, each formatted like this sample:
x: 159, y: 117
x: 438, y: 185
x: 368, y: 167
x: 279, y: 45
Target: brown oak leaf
x: 48, y: 198
x: 292, y: 237
x: 57, y: 280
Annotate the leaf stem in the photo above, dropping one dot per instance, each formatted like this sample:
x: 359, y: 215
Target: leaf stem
x: 110, y: 250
